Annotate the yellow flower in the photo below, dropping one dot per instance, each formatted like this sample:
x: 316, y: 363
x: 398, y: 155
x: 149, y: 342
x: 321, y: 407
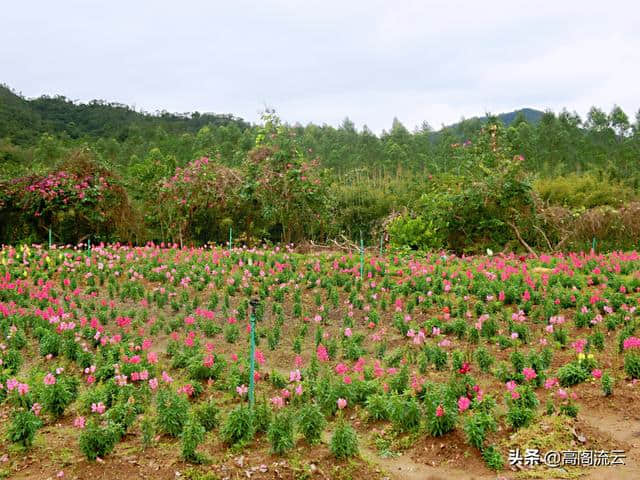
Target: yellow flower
x: 590, y: 356
x: 581, y: 356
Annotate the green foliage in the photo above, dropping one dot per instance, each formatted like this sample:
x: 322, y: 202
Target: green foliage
x: 238, y: 427
x: 416, y: 233
x: 23, y: 427
x: 378, y: 407
x: 477, y: 426
x: 207, y: 414
x: 607, y: 384
x: 173, y: 412
x: 148, y: 429
x: 281, y: 431
x: 192, y: 435
x: 632, y: 364
x: 405, y: 413
x: 55, y: 398
x: 572, y: 373
x: 441, y: 420
x: 583, y: 191
x: 311, y: 422
x: 344, y: 441
x: 493, y: 458
x: 98, y: 440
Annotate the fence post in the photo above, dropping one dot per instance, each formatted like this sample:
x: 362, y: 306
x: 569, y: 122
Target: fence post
x: 381, y: 240
x: 230, y: 238
x: 49, y: 238
x: 89, y: 246
x: 252, y: 362
x: 361, y: 257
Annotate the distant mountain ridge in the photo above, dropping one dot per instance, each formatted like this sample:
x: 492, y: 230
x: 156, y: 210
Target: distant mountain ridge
x: 24, y: 120
x: 531, y: 115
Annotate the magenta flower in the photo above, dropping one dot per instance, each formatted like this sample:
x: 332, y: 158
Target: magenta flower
x: 463, y: 404
x: 529, y: 373
x: 342, y: 403
x: 49, y: 379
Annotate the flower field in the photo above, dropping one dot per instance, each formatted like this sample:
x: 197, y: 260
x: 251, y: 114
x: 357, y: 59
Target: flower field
x: 121, y: 362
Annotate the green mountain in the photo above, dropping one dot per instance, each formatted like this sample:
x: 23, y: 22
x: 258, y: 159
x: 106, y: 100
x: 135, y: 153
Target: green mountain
x: 24, y: 121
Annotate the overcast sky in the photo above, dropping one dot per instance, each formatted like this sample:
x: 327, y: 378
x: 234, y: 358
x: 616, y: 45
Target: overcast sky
x: 321, y: 61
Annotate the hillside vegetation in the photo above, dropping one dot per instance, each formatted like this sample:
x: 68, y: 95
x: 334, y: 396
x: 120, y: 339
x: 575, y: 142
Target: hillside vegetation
x: 521, y: 180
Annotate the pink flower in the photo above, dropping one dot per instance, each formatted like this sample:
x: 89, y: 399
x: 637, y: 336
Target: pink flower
x: 98, y: 408
x: 511, y: 385
x: 439, y: 411
x: 298, y: 389
x: 277, y: 402
x: 242, y: 390
x: 631, y: 342
x: 208, y: 361
x: 294, y: 375
x: 597, y: 373
x: 529, y: 373
x: 49, y: 379
x: 322, y: 354
x: 562, y: 393
x: 79, y: 422
x: 550, y: 383
x: 36, y: 408
x: 166, y: 378
x: 463, y: 404
x: 579, y: 345
x: 153, y: 383
x: 341, y: 369
x: 347, y: 332
x: 23, y: 389
x: 342, y: 403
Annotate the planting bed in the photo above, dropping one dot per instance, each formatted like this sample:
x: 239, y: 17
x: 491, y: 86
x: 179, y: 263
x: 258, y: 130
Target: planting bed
x: 127, y: 363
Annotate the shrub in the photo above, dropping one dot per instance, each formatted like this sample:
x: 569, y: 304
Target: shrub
x: 483, y: 358
x: 23, y: 427
x: 148, y: 431
x: 261, y: 416
x: 572, y: 374
x: 632, y: 364
x: 416, y: 233
x: 56, y: 397
x: 280, y: 433
x: 493, y: 458
x: 97, y: 440
x: 441, y: 420
x: 607, y: 385
x: 405, y: 414
x: 311, y: 422
x: 378, y: 407
x: 192, y: 435
x: 173, y: 412
x: 344, y: 441
x: 207, y: 414
x: 477, y: 426
x: 519, y: 416
x: 238, y: 428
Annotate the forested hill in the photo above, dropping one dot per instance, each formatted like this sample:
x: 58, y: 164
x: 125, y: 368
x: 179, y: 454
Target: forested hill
x: 106, y: 170
x: 23, y: 121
